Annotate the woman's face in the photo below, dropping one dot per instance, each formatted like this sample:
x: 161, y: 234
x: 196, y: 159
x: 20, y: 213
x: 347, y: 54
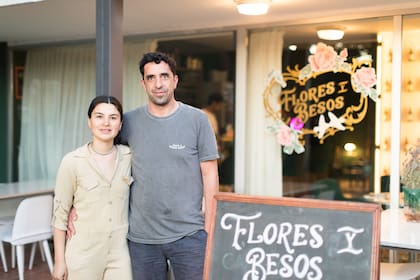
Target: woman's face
x: 105, y: 122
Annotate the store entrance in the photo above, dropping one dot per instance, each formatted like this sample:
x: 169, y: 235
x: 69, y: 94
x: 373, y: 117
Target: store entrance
x: 206, y: 71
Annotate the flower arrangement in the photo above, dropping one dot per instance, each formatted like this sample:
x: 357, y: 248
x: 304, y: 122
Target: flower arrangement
x: 410, y: 178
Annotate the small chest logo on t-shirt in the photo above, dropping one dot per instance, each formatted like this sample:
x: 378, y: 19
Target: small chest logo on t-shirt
x: 176, y: 146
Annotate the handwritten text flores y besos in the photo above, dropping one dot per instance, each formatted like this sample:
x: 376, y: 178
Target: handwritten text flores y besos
x: 288, y: 237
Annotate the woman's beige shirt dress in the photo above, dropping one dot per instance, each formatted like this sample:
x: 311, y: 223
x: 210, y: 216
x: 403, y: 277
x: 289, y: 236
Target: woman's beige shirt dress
x: 98, y: 250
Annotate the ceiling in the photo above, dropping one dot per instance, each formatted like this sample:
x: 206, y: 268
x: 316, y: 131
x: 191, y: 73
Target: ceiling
x: 74, y: 20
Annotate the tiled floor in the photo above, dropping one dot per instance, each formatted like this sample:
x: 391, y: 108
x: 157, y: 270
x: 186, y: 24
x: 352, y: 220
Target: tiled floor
x: 39, y: 271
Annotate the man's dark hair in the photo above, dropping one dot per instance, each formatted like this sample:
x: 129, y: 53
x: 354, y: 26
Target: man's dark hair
x: 157, y: 57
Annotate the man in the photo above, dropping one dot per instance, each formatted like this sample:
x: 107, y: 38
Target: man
x: 174, y: 162
x: 214, y: 106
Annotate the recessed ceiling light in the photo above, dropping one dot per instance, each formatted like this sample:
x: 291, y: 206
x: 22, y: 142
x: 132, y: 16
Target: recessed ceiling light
x: 349, y: 147
x: 252, y: 7
x: 330, y: 33
x: 16, y: 2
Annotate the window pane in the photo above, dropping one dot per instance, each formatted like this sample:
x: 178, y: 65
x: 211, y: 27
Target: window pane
x: 410, y: 92
x: 206, y: 71
x: 349, y: 170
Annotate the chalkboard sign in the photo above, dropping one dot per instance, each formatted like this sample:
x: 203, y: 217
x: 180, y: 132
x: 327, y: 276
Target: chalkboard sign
x: 290, y: 238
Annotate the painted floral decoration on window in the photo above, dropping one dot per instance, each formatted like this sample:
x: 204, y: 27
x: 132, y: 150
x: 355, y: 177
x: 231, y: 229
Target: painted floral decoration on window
x: 326, y: 59
x: 287, y: 136
x: 364, y: 81
x: 303, y: 113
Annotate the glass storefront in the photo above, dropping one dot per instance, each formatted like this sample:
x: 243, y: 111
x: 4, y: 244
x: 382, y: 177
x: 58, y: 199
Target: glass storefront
x: 339, y: 135
x: 358, y: 158
x: 356, y: 154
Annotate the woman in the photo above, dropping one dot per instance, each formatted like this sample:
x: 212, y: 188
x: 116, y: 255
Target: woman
x: 95, y: 179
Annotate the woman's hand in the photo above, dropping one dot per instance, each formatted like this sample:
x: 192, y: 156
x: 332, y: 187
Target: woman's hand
x: 59, y: 271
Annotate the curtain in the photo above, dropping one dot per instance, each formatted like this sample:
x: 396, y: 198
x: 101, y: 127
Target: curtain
x: 133, y: 93
x: 263, y: 165
x: 59, y: 83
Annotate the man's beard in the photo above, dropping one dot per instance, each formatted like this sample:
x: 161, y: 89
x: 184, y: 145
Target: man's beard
x: 161, y: 101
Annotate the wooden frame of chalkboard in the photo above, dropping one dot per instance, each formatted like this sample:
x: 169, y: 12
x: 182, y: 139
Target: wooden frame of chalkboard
x: 255, y: 237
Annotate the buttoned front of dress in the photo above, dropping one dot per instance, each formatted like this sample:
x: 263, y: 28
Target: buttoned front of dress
x: 102, y: 207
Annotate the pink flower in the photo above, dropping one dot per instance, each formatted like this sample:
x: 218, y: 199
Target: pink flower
x: 365, y: 77
x: 296, y: 123
x: 284, y: 135
x: 323, y: 59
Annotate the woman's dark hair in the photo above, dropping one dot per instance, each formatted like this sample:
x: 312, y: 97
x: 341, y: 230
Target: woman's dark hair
x: 157, y: 57
x: 105, y: 99
x: 109, y: 100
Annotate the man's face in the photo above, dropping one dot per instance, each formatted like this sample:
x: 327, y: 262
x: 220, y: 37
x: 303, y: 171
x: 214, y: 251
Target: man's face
x: 159, y: 83
x: 218, y: 107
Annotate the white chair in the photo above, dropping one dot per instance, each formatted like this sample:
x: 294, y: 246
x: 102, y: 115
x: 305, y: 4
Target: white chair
x: 32, y: 256
x: 32, y: 224
x: 7, y: 227
x: 3, y: 229
x: 4, y: 221
x: 399, y: 271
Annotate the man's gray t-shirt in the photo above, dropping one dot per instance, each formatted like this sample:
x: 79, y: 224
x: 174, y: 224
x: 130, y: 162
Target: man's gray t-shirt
x: 166, y: 196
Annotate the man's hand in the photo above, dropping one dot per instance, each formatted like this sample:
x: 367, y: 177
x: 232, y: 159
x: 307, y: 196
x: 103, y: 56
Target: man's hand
x: 70, y: 227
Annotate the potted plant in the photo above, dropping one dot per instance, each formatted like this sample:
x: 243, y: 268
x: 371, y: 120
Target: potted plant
x: 410, y: 178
